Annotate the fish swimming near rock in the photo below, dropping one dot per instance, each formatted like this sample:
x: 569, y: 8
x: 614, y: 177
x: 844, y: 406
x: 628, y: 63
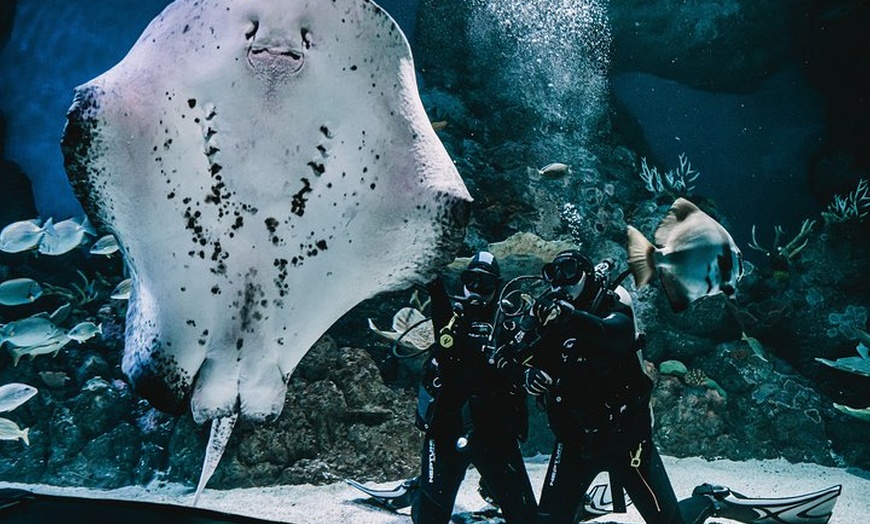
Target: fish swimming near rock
x: 24, y: 235
x: 122, y: 290
x: 14, y: 394
x: 697, y: 256
x: 551, y: 170
x: 105, y: 245
x: 279, y: 173
x: 51, y: 346
x: 84, y: 331
x: 31, y: 331
x: 19, y: 291
x: 10, y: 431
x: 410, y: 327
x: 64, y: 236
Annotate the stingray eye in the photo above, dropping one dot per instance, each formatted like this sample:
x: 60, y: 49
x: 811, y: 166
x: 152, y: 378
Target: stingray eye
x: 306, y: 38
x: 252, y: 29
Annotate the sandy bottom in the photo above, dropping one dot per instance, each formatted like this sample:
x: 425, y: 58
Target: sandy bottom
x: 340, y: 503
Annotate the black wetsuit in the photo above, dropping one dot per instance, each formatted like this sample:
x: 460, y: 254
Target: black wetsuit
x: 598, y: 409
x: 474, y: 402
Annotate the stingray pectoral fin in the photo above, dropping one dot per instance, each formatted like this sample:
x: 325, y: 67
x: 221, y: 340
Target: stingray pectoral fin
x: 640, y: 257
x: 156, y: 366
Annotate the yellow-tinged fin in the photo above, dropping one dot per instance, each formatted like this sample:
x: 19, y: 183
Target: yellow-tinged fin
x: 680, y: 209
x: 640, y: 257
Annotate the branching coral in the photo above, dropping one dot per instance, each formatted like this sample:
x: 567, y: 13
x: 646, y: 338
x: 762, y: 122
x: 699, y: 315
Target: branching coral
x: 676, y: 182
x: 790, y: 250
x: 853, y: 206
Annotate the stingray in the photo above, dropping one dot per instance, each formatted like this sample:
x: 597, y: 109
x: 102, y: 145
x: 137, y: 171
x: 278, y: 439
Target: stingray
x: 265, y: 166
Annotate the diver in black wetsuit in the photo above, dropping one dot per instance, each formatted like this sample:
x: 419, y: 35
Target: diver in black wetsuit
x: 596, y: 394
x: 471, y: 413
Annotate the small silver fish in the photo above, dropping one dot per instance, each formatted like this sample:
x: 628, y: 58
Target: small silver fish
x: 31, y: 331
x: 54, y: 379
x: 10, y: 431
x: 19, y: 291
x: 84, y: 331
x: 50, y: 347
x: 122, y: 290
x: 106, y: 245
x: 756, y: 346
x: 698, y: 257
x: 552, y: 170
x: 14, y: 394
x: 65, y: 236
x: 23, y: 235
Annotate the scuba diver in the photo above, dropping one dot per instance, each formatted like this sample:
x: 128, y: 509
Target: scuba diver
x: 576, y: 348
x: 584, y: 352
x: 470, y: 413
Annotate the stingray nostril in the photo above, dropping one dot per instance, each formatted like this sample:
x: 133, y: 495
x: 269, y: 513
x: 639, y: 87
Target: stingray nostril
x: 252, y: 30
x: 306, y: 38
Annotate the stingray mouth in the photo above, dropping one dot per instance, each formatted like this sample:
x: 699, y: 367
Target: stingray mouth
x: 275, y: 61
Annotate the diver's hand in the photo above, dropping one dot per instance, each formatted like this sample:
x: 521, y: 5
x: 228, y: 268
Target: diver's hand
x: 548, y: 308
x: 536, y: 382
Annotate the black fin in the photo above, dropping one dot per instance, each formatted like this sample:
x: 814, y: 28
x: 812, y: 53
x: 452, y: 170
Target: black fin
x: 808, y: 508
x: 392, y: 499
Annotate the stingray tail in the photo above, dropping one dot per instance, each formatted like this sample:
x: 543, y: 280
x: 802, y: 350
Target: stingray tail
x: 221, y: 429
x: 640, y: 257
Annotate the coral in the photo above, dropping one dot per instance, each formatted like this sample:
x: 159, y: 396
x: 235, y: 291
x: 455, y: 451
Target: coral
x: 846, y: 323
x: 854, y: 206
x: 791, y: 249
x: 676, y: 182
x: 695, y: 377
x: 673, y: 367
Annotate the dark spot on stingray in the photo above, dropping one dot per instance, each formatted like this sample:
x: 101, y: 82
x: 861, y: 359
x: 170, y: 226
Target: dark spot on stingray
x: 372, y: 185
x: 170, y: 196
x: 239, y: 343
x: 353, y: 68
x: 271, y: 224
x: 215, y: 169
x: 317, y: 167
x: 191, y: 322
x: 325, y: 131
x: 297, y: 206
x: 191, y: 102
x: 306, y: 39
x: 215, y: 290
x: 211, y: 151
x: 186, y: 29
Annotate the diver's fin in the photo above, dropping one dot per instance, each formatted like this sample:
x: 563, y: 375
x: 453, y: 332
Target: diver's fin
x: 598, y: 501
x: 640, y: 257
x: 392, y: 499
x: 808, y: 508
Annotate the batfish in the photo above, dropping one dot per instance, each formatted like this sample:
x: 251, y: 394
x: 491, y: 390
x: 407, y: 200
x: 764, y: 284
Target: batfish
x: 697, y: 256
x: 264, y: 166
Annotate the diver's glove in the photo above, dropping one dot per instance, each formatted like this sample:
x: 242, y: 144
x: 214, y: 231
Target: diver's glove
x: 549, y: 307
x: 536, y: 382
